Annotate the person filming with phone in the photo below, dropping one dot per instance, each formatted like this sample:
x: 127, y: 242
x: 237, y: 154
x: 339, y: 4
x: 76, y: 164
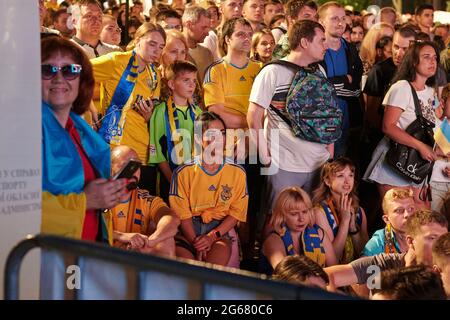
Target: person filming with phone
x: 141, y: 221
x: 75, y: 159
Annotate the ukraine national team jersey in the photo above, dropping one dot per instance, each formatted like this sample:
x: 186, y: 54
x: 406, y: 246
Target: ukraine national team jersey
x: 229, y: 85
x: 108, y: 69
x: 194, y: 192
x: 138, y: 214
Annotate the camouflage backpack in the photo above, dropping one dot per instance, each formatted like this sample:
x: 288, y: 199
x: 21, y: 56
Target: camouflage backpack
x: 312, y: 106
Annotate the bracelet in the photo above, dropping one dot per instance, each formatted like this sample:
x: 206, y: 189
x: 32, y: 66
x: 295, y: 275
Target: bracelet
x: 214, y: 234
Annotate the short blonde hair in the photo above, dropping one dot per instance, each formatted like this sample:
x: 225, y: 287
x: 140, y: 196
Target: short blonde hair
x: 395, y: 194
x: 321, y: 12
x: 288, y: 199
x: 106, y: 18
x: 423, y: 217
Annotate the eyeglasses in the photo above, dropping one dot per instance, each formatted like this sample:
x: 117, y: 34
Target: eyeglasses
x: 69, y: 72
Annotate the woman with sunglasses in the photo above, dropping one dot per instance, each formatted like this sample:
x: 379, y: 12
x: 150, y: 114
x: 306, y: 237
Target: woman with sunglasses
x: 418, y: 69
x: 76, y: 161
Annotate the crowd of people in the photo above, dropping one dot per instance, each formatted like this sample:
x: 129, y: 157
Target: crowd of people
x: 264, y: 133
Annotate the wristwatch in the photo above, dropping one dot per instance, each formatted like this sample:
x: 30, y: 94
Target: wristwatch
x: 215, y: 234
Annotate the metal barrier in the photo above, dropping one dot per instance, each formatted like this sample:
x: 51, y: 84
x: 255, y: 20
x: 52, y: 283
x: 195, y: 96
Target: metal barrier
x: 205, y: 275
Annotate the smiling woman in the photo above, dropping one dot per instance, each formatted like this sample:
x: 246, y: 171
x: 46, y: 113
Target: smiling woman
x: 75, y: 159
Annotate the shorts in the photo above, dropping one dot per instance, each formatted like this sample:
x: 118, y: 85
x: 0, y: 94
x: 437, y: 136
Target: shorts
x: 200, y: 228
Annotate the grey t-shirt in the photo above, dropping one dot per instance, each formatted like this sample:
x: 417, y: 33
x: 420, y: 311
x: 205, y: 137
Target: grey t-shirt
x: 384, y: 261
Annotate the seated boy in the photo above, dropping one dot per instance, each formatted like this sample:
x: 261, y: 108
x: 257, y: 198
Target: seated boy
x: 398, y: 205
x: 141, y: 221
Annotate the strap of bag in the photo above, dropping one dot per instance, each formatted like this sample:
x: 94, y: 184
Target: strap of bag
x: 292, y: 66
x: 281, y: 115
x: 416, y: 104
x: 425, y: 190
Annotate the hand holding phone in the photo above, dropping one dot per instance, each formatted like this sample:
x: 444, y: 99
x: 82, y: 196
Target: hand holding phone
x: 144, y: 107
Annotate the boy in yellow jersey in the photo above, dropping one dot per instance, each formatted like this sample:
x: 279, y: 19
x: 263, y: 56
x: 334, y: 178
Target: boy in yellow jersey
x: 141, y: 221
x: 228, y: 82
x: 172, y: 118
x: 131, y: 81
x: 210, y: 197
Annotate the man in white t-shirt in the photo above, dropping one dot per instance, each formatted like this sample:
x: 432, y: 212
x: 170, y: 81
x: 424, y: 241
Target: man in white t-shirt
x: 298, y: 161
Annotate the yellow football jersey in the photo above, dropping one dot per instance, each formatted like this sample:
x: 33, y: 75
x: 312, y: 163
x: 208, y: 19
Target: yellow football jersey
x: 108, y: 69
x: 229, y: 85
x: 138, y: 214
x: 194, y: 192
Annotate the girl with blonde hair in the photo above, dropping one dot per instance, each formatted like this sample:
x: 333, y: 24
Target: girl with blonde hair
x: 295, y: 232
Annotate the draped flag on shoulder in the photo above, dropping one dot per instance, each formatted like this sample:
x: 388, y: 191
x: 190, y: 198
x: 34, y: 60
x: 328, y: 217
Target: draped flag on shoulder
x: 442, y: 136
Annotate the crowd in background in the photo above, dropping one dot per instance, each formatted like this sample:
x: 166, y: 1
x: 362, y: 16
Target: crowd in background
x: 168, y: 89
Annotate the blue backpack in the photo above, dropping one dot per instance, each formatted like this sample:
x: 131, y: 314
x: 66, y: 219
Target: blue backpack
x: 312, y: 107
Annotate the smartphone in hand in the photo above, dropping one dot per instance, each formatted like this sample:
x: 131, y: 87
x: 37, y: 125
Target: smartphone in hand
x: 128, y: 170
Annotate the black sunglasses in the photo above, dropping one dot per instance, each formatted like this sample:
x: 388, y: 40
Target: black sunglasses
x: 69, y: 72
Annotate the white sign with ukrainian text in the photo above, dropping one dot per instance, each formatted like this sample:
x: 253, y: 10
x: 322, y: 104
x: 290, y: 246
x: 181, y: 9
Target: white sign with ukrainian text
x: 20, y: 136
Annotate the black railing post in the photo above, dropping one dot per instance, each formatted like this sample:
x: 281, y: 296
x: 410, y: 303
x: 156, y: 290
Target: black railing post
x: 12, y: 267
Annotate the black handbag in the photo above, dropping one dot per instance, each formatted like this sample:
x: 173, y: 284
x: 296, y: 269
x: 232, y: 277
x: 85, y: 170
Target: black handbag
x: 407, y: 161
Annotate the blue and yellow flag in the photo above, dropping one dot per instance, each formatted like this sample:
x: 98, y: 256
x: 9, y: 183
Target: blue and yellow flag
x: 442, y: 136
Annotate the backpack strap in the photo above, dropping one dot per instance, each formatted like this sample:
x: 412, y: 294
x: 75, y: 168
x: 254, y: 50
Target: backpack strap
x: 281, y: 115
x: 291, y: 66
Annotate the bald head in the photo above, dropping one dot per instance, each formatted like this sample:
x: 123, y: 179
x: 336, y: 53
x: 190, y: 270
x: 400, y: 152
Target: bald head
x: 120, y: 155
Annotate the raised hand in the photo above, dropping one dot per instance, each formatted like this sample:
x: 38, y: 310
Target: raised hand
x: 345, y: 207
